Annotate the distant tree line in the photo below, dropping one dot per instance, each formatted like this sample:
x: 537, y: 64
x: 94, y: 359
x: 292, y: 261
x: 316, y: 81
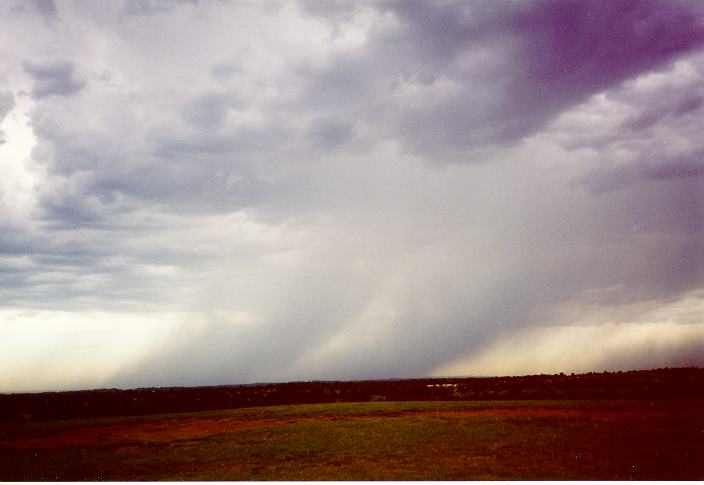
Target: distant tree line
x: 679, y: 383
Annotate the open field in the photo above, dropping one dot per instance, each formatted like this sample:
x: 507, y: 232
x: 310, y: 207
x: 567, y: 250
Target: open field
x: 597, y: 439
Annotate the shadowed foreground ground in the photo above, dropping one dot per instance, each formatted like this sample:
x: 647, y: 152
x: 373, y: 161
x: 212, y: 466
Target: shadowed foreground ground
x: 379, y: 441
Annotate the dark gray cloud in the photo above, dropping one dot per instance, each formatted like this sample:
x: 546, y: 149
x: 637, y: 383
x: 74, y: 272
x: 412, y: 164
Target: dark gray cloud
x: 53, y: 78
x: 7, y: 103
x: 46, y: 8
x: 209, y: 111
x: 573, y: 50
x: 650, y: 168
x: 152, y: 7
x: 331, y: 132
x: 657, y: 110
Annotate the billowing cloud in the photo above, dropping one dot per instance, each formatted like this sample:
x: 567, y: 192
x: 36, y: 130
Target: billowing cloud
x: 350, y: 190
x: 448, y: 76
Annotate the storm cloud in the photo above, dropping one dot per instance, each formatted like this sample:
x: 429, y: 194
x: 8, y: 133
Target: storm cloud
x: 245, y: 191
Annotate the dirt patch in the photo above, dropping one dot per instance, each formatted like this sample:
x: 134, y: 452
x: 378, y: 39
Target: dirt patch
x: 164, y: 431
x: 548, y: 413
x: 169, y: 430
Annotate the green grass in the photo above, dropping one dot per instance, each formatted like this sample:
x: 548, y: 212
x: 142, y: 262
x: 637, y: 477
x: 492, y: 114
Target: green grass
x: 388, y: 445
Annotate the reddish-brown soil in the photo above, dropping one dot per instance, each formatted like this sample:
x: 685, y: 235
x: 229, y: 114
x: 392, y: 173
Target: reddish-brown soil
x: 168, y: 430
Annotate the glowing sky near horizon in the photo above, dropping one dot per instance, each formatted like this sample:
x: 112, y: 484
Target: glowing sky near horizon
x: 207, y: 192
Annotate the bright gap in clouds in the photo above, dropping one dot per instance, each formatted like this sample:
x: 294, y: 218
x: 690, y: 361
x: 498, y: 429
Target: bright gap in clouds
x: 19, y: 174
x: 579, y: 349
x: 48, y: 350
x: 597, y: 338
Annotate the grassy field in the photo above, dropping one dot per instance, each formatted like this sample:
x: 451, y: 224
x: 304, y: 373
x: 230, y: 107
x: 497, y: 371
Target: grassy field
x: 370, y: 441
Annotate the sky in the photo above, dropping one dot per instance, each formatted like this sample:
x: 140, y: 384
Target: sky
x: 214, y: 192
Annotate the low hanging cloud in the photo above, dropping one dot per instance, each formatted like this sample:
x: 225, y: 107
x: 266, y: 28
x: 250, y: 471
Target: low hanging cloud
x: 609, y: 347
x: 304, y: 190
x: 603, y: 338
